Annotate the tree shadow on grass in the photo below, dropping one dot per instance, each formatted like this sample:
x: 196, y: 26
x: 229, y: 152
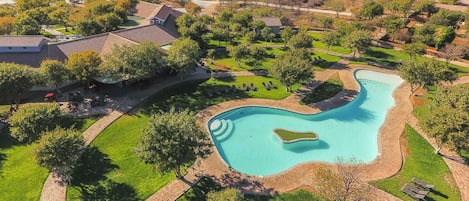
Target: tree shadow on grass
x: 379, y: 54
x: 92, y: 167
x: 108, y: 190
x: 201, y: 189
x: 246, y: 184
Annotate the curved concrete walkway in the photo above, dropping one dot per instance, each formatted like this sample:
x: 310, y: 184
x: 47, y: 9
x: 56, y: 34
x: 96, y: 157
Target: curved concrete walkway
x: 53, y: 191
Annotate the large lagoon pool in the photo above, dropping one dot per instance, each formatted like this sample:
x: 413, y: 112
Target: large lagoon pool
x: 244, y: 139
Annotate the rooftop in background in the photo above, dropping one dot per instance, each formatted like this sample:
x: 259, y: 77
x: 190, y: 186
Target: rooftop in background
x: 21, y: 41
x: 452, y: 7
x: 270, y: 21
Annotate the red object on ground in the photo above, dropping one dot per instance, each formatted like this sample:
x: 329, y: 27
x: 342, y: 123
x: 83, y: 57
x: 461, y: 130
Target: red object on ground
x: 48, y: 95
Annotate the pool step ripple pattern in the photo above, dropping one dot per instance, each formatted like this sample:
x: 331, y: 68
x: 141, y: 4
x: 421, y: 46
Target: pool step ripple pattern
x: 223, y: 131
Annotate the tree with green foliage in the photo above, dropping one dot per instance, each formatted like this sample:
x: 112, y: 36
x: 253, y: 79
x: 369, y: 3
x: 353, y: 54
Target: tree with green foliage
x: 404, y: 7
x: 257, y: 26
x: 448, y: 121
x: 249, y: 38
x: 84, y: 66
x: 30, y: 121
x: 286, y: 34
x: 26, y: 25
x: 393, y: 24
x: 109, y: 21
x: 344, y: 182
x: 171, y: 140
x: 425, y: 73
x: 336, y: 5
x: 194, y: 28
x: 88, y: 27
x: 330, y: 39
x: 257, y: 54
x: 325, y: 22
x: 24, y: 5
x: 446, y: 17
x: 238, y: 52
x: 134, y: 62
x: 228, y: 194
x: 345, y: 28
x: 371, y: 10
x: 211, y: 55
x: 183, y: 55
x: 292, y: 67
x: 60, y: 14
x: 358, y: 41
x: 266, y: 33
x: 15, y: 79
x: 58, y: 150
x: 414, y: 49
x: 54, y: 72
x: 427, y: 6
x: 300, y: 40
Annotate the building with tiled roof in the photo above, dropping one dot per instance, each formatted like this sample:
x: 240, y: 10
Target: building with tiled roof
x: 101, y: 43
x: 273, y: 22
x: 21, y: 43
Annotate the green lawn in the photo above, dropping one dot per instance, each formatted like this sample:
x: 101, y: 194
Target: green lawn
x: 326, y: 90
x: 21, y: 178
x: 223, y: 59
x: 318, y: 44
x: 114, y: 149
x: 422, y: 163
x: 393, y: 57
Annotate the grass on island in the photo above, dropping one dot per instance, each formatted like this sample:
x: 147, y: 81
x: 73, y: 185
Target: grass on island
x: 423, y: 163
x: 21, y: 177
x: 393, y: 57
x: 200, y: 190
x: 288, y: 135
x: 114, y: 148
x: 318, y: 44
x: 326, y: 90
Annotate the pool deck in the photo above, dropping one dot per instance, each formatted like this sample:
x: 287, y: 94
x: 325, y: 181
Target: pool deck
x: 302, y: 176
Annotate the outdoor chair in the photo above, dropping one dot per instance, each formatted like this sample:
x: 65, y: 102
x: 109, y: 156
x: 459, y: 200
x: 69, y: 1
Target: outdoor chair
x: 227, y: 89
x: 422, y: 184
x: 233, y: 89
x: 217, y: 91
x: 265, y: 86
x: 252, y: 87
x: 407, y: 189
x: 245, y: 88
x: 209, y: 93
x: 272, y: 85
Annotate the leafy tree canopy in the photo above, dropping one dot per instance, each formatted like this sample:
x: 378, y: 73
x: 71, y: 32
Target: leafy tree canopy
x: 31, y: 120
x: 183, y: 55
x: 371, y: 9
x: 83, y: 66
x: 53, y: 72
x: 292, y: 67
x: 358, y: 41
x: 14, y: 80
x: 425, y: 73
x: 58, y: 150
x: 171, y: 140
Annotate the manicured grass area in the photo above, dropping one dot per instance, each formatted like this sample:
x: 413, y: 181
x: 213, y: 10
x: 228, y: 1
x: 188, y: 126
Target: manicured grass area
x: 326, y: 90
x: 288, y: 135
x: 4, y: 109
x: 21, y: 178
x: 318, y: 44
x: 422, y: 163
x: 115, y: 147
x: 205, y: 185
x: 393, y: 57
x: 223, y: 59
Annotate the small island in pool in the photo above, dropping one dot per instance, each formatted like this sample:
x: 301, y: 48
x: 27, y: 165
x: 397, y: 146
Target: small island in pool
x: 287, y: 136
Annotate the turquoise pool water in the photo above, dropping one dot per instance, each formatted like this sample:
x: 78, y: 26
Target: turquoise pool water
x: 244, y: 139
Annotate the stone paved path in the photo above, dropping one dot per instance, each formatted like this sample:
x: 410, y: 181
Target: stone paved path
x: 53, y: 191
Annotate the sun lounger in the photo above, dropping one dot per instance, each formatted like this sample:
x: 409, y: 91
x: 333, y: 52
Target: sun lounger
x: 245, y: 88
x: 265, y: 86
x: 217, y: 91
x: 408, y: 189
x: 252, y: 87
x: 272, y: 85
x: 422, y: 184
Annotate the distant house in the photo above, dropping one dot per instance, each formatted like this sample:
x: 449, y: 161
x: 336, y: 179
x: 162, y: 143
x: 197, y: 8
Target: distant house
x: 18, y: 44
x: 101, y: 43
x: 273, y: 22
x: 161, y: 15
